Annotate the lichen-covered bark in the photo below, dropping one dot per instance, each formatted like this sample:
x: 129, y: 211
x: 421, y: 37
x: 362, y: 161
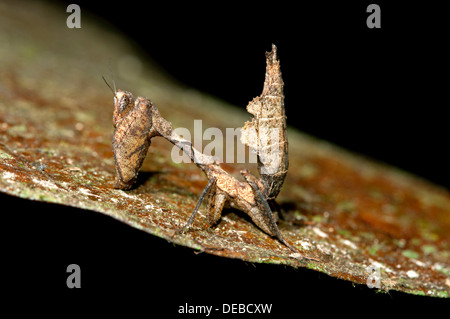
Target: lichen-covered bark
x: 55, y: 146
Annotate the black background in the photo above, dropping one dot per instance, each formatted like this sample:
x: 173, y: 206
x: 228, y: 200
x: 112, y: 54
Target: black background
x: 378, y: 92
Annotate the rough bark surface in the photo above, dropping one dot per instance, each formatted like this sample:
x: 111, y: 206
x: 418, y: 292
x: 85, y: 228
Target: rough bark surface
x: 55, y: 146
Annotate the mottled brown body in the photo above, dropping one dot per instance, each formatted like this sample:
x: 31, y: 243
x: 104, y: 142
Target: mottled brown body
x: 266, y: 133
x: 137, y: 123
x: 132, y: 137
x: 230, y: 192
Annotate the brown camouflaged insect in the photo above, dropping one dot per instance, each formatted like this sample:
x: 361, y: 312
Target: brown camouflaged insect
x: 137, y: 121
x: 134, y: 129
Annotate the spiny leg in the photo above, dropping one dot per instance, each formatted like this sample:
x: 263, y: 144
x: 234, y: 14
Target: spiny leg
x: 266, y: 210
x: 211, y: 183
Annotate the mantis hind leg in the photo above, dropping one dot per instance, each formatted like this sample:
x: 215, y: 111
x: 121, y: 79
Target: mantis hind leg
x: 210, y: 188
x: 262, y: 214
x: 265, y: 209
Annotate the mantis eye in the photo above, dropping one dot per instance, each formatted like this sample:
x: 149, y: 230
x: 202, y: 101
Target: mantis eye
x: 123, y: 103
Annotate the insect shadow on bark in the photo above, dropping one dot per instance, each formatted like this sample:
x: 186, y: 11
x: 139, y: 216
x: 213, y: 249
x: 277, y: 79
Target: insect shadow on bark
x: 136, y: 122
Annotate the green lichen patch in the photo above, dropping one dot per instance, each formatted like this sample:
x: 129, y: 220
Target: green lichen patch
x: 410, y: 254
